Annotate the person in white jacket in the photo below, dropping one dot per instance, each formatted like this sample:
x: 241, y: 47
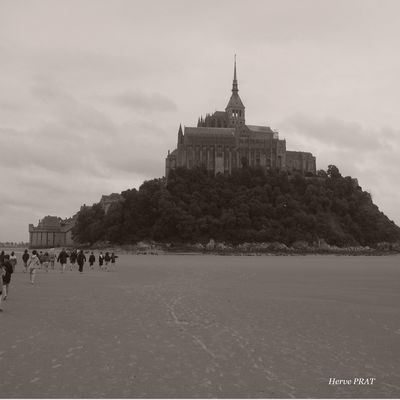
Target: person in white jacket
x: 33, y: 264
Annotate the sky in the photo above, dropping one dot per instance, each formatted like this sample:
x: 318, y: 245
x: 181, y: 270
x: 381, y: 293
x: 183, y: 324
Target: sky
x: 92, y: 92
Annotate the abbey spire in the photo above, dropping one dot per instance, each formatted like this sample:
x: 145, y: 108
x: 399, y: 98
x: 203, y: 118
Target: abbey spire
x: 235, y: 108
x: 235, y: 88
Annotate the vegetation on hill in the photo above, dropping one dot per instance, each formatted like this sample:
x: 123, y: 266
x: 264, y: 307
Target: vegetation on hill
x: 249, y: 205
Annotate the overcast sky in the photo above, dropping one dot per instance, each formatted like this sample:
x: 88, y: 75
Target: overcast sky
x: 92, y: 92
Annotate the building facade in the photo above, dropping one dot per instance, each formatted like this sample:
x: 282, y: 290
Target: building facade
x: 222, y: 141
x: 54, y: 231
x: 51, y: 232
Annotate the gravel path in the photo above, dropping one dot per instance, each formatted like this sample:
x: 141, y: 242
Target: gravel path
x: 205, y: 326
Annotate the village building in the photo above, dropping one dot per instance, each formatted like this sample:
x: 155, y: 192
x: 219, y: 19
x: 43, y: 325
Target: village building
x: 222, y: 141
x: 107, y: 200
x: 51, y: 232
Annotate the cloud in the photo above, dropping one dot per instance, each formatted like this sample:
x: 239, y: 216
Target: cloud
x: 73, y: 154
x: 73, y: 114
x: 141, y: 102
x: 333, y: 132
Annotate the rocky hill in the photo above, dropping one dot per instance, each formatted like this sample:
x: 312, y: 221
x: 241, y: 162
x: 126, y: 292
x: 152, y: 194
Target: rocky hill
x: 250, y: 205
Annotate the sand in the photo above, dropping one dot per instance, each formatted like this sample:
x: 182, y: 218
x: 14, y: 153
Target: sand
x: 205, y: 326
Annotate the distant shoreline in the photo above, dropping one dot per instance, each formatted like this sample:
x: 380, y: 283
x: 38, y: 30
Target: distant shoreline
x: 181, y: 250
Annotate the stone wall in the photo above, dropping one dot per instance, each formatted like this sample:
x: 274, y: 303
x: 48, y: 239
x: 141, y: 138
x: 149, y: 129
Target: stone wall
x: 300, y: 161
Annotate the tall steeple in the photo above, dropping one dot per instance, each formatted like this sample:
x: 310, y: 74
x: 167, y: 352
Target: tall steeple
x: 235, y: 88
x: 235, y: 107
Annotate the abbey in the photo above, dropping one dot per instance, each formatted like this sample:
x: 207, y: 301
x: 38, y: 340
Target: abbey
x: 222, y: 141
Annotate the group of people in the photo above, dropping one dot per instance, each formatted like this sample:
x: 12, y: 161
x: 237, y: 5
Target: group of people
x: 79, y: 258
x: 46, y: 260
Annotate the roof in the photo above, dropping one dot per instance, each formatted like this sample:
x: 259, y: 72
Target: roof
x: 235, y: 101
x: 68, y: 225
x: 209, y: 131
x: 261, y: 131
x: 53, y: 224
x: 49, y: 221
x: 257, y: 128
x: 219, y: 114
x: 110, y: 198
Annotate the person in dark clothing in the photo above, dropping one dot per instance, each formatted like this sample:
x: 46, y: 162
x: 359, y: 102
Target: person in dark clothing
x: 2, y: 255
x: 46, y: 261
x: 25, y: 258
x: 7, y: 276
x: 81, y: 260
x: 2, y: 273
x: 101, y: 259
x: 72, y: 259
x: 107, y: 259
x: 40, y: 256
x: 62, y: 259
x: 92, y: 259
x: 113, y: 257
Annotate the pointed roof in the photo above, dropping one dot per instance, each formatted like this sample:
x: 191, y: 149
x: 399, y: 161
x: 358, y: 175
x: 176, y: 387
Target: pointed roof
x: 235, y: 101
x: 235, y: 88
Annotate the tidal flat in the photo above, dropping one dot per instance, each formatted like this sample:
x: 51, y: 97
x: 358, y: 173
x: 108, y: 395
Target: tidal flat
x: 189, y: 326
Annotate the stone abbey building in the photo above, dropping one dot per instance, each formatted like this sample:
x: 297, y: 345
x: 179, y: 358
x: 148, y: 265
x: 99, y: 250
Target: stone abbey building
x: 222, y: 141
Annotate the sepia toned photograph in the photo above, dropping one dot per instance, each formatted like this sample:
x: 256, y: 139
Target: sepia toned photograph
x: 199, y: 199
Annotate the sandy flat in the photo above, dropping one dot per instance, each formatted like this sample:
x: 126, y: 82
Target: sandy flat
x: 205, y: 326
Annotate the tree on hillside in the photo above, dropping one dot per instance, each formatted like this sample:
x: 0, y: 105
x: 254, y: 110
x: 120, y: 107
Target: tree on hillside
x: 248, y: 205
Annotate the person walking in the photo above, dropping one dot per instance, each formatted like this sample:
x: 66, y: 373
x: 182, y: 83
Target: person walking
x: 33, y: 264
x: 72, y: 259
x: 2, y: 254
x: 25, y: 258
x: 107, y: 259
x: 2, y: 273
x: 101, y: 260
x: 92, y: 259
x: 80, y: 258
x: 46, y: 261
x: 52, y: 257
x: 62, y: 259
x: 7, y: 266
x: 13, y: 260
x: 113, y: 257
x: 40, y: 257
